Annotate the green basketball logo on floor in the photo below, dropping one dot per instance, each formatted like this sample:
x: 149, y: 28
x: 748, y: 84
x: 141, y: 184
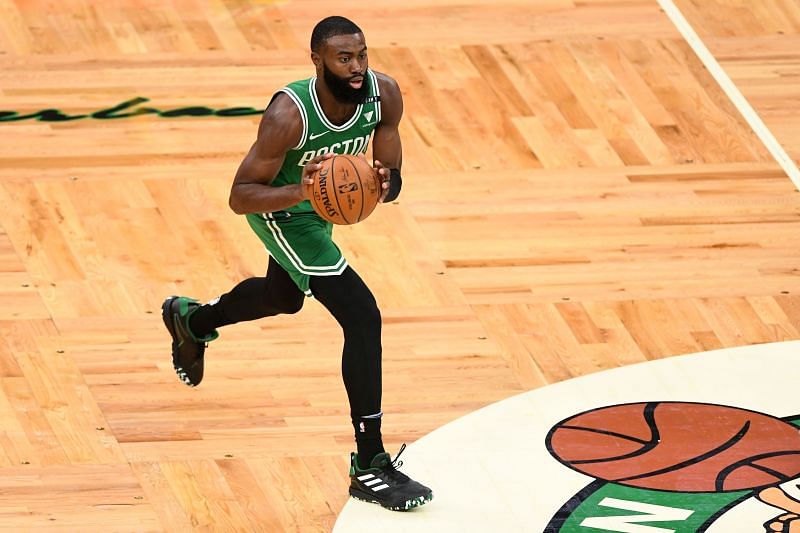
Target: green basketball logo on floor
x: 676, y: 467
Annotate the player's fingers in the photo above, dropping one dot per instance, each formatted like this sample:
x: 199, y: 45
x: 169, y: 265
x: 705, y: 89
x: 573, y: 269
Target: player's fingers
x: 315, y: 164
x: 322, y: 157
x: 308, y: 172
x: 794, y: 526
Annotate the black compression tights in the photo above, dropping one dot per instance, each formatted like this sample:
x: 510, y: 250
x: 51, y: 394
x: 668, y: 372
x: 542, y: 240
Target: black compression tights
x: 346, y: 297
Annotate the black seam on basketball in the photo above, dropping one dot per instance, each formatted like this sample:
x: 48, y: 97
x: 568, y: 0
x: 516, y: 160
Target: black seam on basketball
x: 606, y: 432
x: 360, y: 187
x: 725, y: 472
x: 694, y: 460
x: 774, y: 473
x: 655, y: 437
x: 355, y: 171
x: 334, y: 190
x: 357, y: 175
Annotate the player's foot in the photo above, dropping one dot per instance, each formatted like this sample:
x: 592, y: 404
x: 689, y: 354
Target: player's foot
x: 187, y: 350
x: 383, y: 484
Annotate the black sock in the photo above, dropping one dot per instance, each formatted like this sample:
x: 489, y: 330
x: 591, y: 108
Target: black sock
x: 368, y: 439
x: 246, y: 301
x: 205, y: 320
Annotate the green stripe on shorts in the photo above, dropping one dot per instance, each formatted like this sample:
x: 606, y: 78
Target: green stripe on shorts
x: 301, y: 243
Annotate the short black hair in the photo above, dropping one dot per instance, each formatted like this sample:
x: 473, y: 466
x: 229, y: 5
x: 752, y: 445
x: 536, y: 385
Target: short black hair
x: 331, y: 27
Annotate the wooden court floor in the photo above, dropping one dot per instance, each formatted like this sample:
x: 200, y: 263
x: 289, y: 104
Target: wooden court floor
x: 580, y: 195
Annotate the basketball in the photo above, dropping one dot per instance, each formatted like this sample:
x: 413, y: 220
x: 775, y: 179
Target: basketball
x: 345, y: 190
x: 679, y: 446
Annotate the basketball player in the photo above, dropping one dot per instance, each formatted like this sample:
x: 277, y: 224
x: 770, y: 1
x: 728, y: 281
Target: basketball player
x: 337, y: 111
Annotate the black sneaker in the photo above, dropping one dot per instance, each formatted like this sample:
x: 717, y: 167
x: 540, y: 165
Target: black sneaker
x: 383, y: 484
x: 187, y: 350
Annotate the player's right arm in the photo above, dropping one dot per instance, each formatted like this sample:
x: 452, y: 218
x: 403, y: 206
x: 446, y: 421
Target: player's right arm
x: 280, y: 130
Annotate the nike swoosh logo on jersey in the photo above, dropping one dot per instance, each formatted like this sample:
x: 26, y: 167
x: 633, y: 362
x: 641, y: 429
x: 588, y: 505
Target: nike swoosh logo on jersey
x: 311, y: 136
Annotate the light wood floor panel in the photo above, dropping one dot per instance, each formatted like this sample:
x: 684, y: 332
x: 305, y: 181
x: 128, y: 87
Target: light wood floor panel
x: 758, y: 45
x: 581, y: 195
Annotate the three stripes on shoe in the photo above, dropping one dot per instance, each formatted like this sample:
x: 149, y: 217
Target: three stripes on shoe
x: 370, y: 481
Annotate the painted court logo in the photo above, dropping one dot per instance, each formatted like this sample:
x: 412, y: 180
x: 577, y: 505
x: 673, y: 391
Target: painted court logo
x: 663, y: 467
x: 127, y: 109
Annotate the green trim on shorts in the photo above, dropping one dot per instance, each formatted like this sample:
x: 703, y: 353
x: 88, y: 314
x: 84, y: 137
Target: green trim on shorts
x: 301, y: 243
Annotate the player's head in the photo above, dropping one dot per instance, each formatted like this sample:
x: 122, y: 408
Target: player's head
x: 339, y: 52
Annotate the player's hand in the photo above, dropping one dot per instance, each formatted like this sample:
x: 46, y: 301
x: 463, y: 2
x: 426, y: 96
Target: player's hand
x: 309, y: 169
x: 383, y: 175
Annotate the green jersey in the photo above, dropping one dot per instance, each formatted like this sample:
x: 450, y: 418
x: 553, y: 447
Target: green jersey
x: 320, y: 136
x: 296, y: 237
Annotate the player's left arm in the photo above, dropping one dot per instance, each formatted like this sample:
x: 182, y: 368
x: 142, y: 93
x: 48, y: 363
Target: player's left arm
x: 387, y: 150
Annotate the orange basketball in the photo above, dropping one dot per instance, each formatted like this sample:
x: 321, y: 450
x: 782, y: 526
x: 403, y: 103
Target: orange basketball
x: 345, y: 190
x: 679, y: 446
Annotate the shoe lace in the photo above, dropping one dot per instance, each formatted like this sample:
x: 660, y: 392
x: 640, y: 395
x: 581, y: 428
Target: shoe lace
x: 391, y: 469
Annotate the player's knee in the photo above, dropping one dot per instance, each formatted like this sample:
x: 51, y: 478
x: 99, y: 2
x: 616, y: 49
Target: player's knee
x: 370, y: 315
x: 291, y: 307
x: 362, y: 318
x: 284, y: 305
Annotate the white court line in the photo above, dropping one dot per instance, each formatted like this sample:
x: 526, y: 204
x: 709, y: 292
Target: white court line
x: 732, y: 91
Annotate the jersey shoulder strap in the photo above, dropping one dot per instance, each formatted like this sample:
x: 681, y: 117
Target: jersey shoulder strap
x: 298, y: 91
x: 375, y: 94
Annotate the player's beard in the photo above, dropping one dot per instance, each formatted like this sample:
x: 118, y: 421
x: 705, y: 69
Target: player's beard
x: 341, y: 89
